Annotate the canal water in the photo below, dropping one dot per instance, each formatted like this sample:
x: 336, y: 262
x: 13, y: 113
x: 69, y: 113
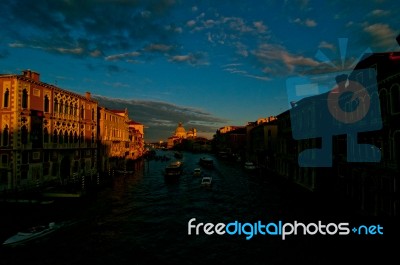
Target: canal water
x: 142, y: 219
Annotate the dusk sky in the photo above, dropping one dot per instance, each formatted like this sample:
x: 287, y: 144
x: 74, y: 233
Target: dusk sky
x: 206, y: 64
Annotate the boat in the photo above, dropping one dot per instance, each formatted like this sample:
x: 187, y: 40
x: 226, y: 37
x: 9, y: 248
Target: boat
x: 249, y: 165
x: 178, y: 155
x: 31, y: 234
x: 206, y: 161
x: 124, y: 171
x: 174, y: 170
x: 197, y: 172
x: 206, y: 181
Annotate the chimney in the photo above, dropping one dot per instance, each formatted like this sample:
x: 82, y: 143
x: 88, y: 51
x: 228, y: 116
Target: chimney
x: 87, y: 95
x: 31, y: 74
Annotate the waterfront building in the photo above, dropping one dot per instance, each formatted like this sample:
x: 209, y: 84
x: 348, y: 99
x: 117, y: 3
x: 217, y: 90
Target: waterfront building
x: 180, y: 134
x: 48, y: 134
x: 52, y: 136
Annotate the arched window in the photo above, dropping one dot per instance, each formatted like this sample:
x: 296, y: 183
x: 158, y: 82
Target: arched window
x: 60, y: 137
x: 82, y: 113
x: 66, y: 137
x: 46, y: 103
x: 24, y: 99
x: 92, y: 114
x: 71, y: 137
x: 5, y: 136
x: 71, y: 109
x: 24, y: 135
x: 6, y: 98
x: 81, y: 138
x: 92, y: 138
x: 55, y: 136
x: 61, y: 106
x: 46, y: 137
x: 55, y: 105
x: 75, y: 137
x: 66, y: 108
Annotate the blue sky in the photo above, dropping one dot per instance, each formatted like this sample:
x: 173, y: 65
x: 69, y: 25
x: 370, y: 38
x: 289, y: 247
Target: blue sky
x: 206, y: 64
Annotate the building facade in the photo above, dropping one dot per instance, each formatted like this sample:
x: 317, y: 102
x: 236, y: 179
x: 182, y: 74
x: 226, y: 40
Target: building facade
x: 49, y: 135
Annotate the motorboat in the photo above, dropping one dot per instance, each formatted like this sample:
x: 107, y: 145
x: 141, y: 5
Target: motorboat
x: 178, y: 155
x: 197, y: 172
x: 249, y: 165
x: 174, y: 169
x: 206, y: 161
x: 206, y: 181
x: 31, y: 234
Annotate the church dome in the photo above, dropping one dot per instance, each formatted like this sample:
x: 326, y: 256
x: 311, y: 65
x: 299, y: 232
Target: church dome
x: 180, y: 131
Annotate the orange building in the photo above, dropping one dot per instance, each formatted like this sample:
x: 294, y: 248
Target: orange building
x: 47, y: 133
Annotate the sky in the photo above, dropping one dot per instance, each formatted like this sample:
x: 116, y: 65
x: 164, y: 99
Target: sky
x: 206, y: 64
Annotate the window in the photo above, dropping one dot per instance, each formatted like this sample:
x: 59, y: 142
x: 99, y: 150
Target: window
x: 24, y: 135
x: 24, y: 157
x: 71, y: 137
x: 82, y: 114
x: 55, y: 137
x: 45, y: 135
x: 4, y: 160
x: 55, y: 105
x: 6, y: 98
x: 46, y: 103
x: 61, y: 106
x: 66, y: 137
x: 71, y: 109
x: 5, y: 136
x: 60, y: 137
x: 92, y: 114
x: 24, y: 99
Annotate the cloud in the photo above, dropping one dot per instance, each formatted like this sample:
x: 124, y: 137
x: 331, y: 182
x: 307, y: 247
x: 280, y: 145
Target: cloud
x: 379, y: 13
x: 192, y: 59
x: 158, y: 47
x: 161, y: 118
x: 307, y: 22
x: 383, y: 36
x: 117, y: 57
x: 326, y: 45
x: 278, y: 58
x: 87, y: 28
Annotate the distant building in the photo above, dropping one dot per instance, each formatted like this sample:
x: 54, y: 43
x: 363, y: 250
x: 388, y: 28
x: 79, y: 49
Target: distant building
x: 181, y: 133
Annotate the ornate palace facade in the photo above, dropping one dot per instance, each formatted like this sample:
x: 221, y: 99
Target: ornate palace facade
x: 49, y: 134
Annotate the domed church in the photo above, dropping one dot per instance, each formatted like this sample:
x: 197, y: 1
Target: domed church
x: 181, y: 133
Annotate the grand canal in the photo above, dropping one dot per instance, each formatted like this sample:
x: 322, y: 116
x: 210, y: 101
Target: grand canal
x: 141, y: 219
